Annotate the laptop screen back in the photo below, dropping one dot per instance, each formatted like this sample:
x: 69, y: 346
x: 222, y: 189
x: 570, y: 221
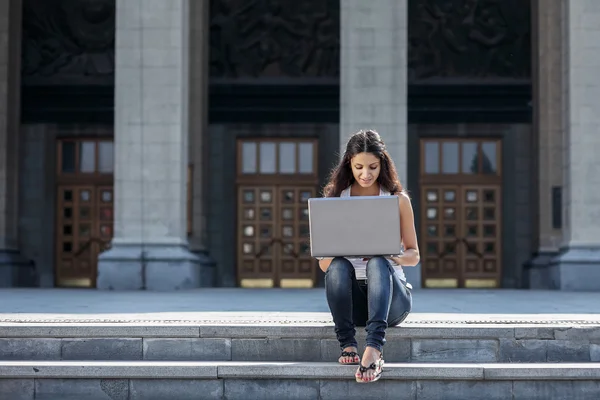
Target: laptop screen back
x: 355, y: 226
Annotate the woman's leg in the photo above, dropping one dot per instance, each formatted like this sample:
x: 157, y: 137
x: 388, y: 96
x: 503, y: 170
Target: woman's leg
x: 339, y: 283
x: 379, y: 294
x: 387, y: 302
x: 401, y: 302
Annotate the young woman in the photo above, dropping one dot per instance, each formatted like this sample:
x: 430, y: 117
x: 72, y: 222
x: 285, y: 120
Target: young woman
x: 369, y: 292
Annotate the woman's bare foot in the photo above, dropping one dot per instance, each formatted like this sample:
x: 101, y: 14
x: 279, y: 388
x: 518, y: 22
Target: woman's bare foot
x: 348, y: 358
x: 369, y: 357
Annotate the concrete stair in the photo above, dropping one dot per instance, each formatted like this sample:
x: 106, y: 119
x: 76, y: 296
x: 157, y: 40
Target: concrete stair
x: 182, y: 380
x: 441, y: 343
x: 274, y: 360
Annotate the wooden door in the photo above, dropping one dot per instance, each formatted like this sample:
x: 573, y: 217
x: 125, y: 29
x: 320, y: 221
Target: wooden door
x: 84, y: 209
x: 276, y: 177
x: 460, y: 236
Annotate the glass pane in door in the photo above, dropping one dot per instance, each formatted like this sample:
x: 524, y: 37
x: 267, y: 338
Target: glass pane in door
x: 87, y: 157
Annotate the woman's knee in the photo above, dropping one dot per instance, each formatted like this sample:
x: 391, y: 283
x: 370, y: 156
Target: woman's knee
x: 378, y: 260
x: 338, y: 277
x: 339, y: 272
x: 340, y: 265
x: 378, y: 263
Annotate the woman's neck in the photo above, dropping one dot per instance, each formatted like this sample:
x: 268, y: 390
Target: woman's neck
x: 357, y: 190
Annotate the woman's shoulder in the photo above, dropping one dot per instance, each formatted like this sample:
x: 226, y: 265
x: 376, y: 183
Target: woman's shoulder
x: 404, y: 197
x: 405, y: 203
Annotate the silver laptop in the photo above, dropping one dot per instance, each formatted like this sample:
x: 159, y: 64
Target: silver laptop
x: 360, y: 226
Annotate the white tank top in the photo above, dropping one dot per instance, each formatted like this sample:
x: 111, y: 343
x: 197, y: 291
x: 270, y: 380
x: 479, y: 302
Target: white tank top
x: 360, y: 266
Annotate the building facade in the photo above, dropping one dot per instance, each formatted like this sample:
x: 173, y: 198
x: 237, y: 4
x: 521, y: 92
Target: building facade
x: 173, y: 144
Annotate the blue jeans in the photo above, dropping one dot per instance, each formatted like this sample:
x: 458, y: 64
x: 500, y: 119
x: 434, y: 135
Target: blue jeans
x: 382, y: 300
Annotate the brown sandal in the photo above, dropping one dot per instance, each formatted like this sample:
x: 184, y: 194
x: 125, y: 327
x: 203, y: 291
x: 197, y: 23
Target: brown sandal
x: 377, y: 366
x: 351, y: 354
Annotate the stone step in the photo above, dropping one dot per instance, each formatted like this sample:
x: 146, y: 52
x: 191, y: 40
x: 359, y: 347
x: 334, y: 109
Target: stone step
x: 441, y: 343
x: 292, y: 380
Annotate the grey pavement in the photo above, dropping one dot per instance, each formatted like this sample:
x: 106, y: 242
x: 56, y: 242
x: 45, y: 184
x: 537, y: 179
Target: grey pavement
x: 248, y: 303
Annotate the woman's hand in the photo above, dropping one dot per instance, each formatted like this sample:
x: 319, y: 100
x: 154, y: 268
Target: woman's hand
x: 410, y: 258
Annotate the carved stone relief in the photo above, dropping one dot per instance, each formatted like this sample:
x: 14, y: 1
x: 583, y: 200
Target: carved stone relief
x: 462, y: 40
x: 68, y: 42
x: 274, y: 39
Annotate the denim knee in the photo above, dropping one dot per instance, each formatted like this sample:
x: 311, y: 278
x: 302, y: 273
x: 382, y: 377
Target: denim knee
x: 340, y: 265
x: 378, y: 264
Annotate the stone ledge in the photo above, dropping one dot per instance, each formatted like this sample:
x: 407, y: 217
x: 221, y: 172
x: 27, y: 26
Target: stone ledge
x: 107, y: 369
x: 542, y: 371
x: 292, y: 370
x: 303, y: 319
x: 295, y: 370
x: 416, y: 350
x: 281, y: 330
x: 98, y: 330
x: 426, y: 331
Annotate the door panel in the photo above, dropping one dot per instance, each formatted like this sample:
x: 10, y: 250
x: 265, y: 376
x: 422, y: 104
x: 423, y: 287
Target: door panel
x: 461, y: 235
x: 481, y: 232
x: 84, y: 229
x: 273, y: 244
x: 441, y: 256
x: 256, y: 223
x: 296, y: 266
x: 74, y: 229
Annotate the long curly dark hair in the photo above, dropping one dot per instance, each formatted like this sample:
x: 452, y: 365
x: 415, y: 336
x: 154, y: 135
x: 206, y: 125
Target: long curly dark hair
x: 363, y: 141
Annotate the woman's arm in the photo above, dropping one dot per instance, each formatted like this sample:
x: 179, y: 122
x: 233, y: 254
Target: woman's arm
x: 411, y: 256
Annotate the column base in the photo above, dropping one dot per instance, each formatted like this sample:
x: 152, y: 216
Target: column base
x: 578, y: 269
x: 149, y: 267
x: 16, y: 270
x: 208, y: 273
x: 539, y: 273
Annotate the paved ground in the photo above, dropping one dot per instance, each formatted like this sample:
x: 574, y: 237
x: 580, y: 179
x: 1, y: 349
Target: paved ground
x: 246, y: 304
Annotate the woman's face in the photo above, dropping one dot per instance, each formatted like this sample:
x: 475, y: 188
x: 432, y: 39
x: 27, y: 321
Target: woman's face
x: 365, y: 168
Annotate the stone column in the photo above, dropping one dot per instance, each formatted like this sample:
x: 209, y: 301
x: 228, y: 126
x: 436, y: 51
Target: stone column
x: 373, y: 73
x: 578, y: 266
x: 373, y: 79
x: 150, y: 248
x: 10, y: 80
x: 548, y: 133
x: 198, y: 148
